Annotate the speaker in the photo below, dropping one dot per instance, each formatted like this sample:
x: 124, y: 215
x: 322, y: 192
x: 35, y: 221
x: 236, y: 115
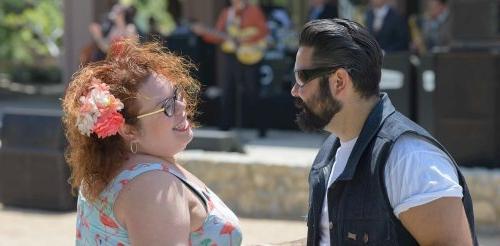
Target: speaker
x: 185, y: 44
x: 200, y: 53
x: 277, y: 112
x: 397, y: 83
x: 276, y: 75
x: 475, y: 20
x: 275, y: 108
x: 208, y: 109
x: 467, y: 106
x: 33, y: 172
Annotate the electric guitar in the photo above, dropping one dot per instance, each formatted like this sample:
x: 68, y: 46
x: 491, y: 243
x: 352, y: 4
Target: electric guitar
x: 246, y: 53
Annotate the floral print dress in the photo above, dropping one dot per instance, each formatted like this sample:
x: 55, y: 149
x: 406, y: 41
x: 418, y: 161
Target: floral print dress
x: 97, y: 225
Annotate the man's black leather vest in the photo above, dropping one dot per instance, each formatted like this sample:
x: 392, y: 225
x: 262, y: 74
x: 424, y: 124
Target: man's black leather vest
x: 359, y: 209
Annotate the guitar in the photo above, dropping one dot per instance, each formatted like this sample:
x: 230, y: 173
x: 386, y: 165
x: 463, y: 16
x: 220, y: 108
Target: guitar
x: 246, y: 53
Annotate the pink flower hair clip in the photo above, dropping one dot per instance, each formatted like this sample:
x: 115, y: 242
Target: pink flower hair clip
x: 99, y: 111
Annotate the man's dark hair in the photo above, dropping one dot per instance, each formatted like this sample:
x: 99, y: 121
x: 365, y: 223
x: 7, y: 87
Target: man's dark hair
x: 340, y: 42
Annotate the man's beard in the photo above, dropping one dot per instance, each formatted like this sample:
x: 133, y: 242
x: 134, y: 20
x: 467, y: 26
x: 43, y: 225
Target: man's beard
x: 327, y: 105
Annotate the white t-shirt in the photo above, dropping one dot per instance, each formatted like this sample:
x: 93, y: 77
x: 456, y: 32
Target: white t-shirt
x: 416, y: 173
x: 338, y: 167
x: 379, y: 16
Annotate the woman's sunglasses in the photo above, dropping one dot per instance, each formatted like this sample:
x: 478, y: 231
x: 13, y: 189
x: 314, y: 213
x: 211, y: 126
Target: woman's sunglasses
x: 168, y: 106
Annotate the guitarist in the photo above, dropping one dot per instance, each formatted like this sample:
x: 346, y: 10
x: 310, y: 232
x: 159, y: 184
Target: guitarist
x: 241, y: 24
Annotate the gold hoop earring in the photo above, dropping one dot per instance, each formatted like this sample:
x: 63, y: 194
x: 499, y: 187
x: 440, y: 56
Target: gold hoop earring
x: 133, y: 147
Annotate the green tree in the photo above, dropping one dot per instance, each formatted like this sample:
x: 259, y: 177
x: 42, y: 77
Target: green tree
x: 156, y: 9
x: 30, y: 31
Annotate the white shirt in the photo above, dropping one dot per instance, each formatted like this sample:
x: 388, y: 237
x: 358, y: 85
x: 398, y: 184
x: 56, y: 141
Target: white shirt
x: 416, y: 173
x: 338, y: 167
x: 378, y: 17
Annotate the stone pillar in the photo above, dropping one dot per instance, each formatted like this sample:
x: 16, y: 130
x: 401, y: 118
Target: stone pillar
x: 77, y: 17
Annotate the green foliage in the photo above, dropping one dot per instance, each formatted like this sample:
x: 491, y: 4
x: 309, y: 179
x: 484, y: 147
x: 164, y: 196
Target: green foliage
x: 157, y: 9
x: 30, y: 30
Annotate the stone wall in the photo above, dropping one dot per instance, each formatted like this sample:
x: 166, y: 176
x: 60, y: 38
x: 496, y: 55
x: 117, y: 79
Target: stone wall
x: 280, y: 190
x: 257, y: 190
x: 484, y: 186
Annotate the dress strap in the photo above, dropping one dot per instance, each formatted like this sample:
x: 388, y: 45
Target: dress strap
x: 198, y: 192
x: 126, y: 176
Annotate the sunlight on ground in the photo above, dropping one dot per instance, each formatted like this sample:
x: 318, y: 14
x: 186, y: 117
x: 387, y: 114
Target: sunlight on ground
x: 33, y: 227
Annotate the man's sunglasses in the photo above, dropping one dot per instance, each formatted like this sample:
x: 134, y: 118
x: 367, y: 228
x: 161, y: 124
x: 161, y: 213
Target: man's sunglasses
x: 303, y: 76
x: 168, y: 106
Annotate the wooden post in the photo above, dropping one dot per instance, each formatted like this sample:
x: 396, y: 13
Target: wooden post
x: 205, y: 11
x: 77, y: 17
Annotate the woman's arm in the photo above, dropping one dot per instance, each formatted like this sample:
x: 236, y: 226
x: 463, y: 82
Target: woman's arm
x: 154, y: 209
x: 96, y: 32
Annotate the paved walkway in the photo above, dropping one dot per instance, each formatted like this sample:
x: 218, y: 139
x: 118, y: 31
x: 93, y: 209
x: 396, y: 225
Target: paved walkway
x: 24, y: 227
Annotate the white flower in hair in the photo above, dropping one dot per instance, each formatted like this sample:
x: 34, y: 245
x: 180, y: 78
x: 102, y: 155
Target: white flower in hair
x: 101, y: 98
x: 99, y: 111
x: 85, y: 123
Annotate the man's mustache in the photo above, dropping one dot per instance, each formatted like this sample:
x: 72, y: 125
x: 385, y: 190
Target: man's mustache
x: 300, y: 104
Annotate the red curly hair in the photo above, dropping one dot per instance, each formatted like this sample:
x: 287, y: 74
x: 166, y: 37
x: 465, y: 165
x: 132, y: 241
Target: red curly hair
x: 93, y: 160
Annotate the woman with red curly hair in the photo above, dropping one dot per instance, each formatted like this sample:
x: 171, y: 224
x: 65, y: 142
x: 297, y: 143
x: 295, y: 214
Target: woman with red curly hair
x: 125, y: 119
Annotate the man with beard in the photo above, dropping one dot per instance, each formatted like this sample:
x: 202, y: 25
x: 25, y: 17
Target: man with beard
x: 379, y: 178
